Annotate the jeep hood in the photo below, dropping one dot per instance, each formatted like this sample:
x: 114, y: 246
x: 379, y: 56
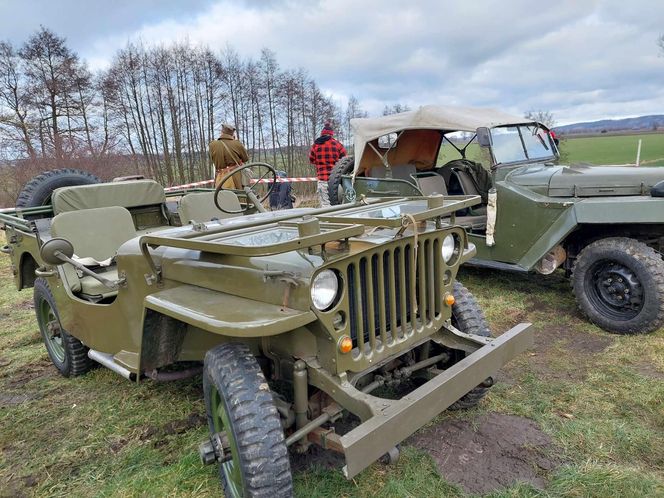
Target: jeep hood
x: 596, y: 181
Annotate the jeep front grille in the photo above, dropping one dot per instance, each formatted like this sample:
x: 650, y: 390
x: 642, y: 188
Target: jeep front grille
x: 388, y: 301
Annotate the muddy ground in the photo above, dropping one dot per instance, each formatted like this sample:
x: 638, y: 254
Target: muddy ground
x: 490, y: 452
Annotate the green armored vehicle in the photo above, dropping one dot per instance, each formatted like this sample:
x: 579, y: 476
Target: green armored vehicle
x: 603, y: 225
x: 298, y: 316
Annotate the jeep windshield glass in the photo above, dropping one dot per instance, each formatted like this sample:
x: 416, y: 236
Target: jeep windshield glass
x: 513, y: 144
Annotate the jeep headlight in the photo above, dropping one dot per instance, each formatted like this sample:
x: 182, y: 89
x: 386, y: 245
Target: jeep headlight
x: 449, y: 247
x: 324, y: 289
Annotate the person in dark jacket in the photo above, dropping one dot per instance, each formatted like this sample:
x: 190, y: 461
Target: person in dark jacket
x: 281, y: 196
x: 324, y: 154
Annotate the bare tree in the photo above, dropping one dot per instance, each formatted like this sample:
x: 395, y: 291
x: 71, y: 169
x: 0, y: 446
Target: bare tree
x: 156, y: 108
x: 14, y: 102
x: 353, y: 110
x: 395, y: 108
x: 56, y: 78
x: 544, y: 117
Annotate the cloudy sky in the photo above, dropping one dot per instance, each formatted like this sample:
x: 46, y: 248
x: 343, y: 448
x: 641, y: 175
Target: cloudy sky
x: 581, y: 60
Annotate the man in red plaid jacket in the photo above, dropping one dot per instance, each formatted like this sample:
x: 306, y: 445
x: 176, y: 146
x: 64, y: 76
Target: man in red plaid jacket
x: 324, y: 154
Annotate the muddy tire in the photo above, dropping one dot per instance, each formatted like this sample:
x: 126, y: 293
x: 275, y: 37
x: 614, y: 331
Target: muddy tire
x: 37, y: 192
x: 468, y: 317
x: 239, y: 402
x: 67, y: 353
x: 344, y: 166
x: 618, y: 283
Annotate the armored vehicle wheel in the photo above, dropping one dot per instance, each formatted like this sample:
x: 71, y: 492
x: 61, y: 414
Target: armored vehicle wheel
x: 344, y: 166
x: 242, y: 415
x: 618, y: 283
x: 37, y: 192
x: 67, y: 353
x: 468, y: 317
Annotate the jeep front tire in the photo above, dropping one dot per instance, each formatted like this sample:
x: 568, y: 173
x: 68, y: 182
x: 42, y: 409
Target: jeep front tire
x: 468, y: 317
x: 240, y: 406
x: 618, y: 283
x: 67, y: 353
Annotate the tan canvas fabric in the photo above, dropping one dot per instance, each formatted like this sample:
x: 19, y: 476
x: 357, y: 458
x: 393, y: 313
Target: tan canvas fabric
x: 429, y: 117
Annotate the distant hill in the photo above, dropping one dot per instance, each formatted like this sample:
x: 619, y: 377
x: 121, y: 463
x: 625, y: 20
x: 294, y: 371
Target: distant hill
x: 641, y: 123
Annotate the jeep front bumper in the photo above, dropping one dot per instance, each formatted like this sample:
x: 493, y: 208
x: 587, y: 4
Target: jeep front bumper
x: 388, y: 422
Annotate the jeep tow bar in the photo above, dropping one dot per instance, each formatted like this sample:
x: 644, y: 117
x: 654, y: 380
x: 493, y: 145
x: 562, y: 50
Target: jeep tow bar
x: 215, y: 450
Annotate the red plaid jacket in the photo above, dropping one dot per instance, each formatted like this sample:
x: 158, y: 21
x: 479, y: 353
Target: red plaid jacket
x: 324, y: 154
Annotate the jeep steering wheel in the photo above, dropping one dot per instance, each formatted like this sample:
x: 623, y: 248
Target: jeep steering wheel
x: 248, y: 191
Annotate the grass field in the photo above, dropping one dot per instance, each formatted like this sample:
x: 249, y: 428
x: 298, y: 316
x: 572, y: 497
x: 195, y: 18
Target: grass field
x: 599, y: 398
x: 614, y: 149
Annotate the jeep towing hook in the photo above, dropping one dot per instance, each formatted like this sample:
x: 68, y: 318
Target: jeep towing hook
x: 215, y: 450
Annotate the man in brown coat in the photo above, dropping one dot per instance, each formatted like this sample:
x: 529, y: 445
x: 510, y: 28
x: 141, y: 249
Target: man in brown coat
x: 227, y: 153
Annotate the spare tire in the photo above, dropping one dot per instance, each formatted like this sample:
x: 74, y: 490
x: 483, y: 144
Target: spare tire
x: 344, y: 166
x: 37, y: 192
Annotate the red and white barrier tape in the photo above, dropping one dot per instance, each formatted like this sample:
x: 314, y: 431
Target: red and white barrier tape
x: 264, y: 180
x: 288, y: 180
x: 188, y: 185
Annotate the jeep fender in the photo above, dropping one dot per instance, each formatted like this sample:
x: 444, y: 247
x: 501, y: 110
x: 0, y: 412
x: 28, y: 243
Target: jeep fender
x: 225, y: 314
x: 628, y: 210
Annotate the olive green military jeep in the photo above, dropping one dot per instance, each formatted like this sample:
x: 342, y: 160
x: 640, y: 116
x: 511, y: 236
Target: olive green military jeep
x: 603, y: 225
x: 298, y: 316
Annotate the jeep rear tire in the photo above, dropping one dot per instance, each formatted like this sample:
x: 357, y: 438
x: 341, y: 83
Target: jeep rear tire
x: 37, y: 192
x: 335, y: 192
x: 67, y: 353
x: 240, y: 404
x: 468, y: 317
x: 618, y: 283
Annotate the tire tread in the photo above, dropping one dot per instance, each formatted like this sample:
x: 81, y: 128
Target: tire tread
x: 649, y: 257
x: 467, y: 316
x: 259, y: 436
x: 77, y: 362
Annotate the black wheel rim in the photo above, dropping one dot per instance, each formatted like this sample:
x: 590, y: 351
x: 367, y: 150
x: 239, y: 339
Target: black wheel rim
x: 614, y: 290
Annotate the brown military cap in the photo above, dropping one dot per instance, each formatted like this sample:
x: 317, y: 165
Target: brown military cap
x: 227, y: 128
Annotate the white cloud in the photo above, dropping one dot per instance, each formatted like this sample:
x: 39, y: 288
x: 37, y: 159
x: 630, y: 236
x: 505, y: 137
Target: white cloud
x: 581, y: 60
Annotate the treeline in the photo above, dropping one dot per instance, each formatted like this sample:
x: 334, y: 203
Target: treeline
x: 154, y: 110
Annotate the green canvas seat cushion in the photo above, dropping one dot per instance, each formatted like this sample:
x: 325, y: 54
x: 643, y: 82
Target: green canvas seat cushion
x: 94, y: 288
x: 126, y: 194
x: 87, y: 286
x: 95, y: 233
x: 199, y: 206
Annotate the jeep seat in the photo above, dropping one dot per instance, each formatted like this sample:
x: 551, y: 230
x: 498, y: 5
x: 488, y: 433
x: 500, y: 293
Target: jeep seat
x: 461, y: 182
x: 199, y: 207
x: 430, y: 183
x: 145, y: 200
x: 96, y: 235
x: 399, y: 172
x: 465, y: 182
